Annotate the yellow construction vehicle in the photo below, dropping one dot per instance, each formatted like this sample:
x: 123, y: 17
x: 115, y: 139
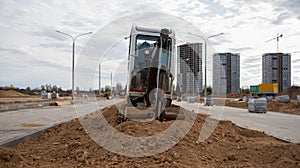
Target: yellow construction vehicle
x: 106, y: 95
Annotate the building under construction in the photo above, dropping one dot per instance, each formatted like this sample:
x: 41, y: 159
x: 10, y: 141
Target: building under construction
x: 226, y: 74
x: 276, y: 68
x: 190, y: 69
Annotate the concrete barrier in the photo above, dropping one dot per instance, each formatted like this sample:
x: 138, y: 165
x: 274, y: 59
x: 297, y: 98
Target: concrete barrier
x: 18, y: 106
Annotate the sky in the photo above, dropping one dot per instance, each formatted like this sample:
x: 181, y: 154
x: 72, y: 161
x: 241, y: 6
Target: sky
x: 33, y: 53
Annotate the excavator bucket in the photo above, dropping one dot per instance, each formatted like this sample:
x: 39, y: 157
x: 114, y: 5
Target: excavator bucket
x: 173, y: 113
x: 138, y: 113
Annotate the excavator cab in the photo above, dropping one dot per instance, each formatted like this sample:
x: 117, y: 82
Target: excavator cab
x: 151, y: 64
x: 151, y: 68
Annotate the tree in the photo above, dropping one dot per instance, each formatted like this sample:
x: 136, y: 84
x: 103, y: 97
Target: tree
x: 59, y: 89
x: 54, y: 88
x: 48, y: 87
x: 107, y: 88
x: 77, y: 89
x: 28, y: 90
x: 245, y: 90
x: 43, y: 88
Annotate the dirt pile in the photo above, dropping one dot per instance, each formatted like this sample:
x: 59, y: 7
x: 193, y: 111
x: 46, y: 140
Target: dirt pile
x: 11, y: 93
x: 292, y: 92
x: 67, y: 145
x: 238, y: 104
x: 288, y: 108
x: 10, y: 157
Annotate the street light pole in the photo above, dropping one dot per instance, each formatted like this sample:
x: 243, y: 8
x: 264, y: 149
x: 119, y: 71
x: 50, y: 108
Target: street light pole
x: 205, y: 57
x: 186, y: 71
x: 100, y: 73
x: 73, y: 54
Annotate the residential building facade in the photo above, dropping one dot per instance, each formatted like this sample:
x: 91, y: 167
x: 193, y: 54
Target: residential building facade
x: 189, y: 69
x: 226, y: 74
x: 276, y: 68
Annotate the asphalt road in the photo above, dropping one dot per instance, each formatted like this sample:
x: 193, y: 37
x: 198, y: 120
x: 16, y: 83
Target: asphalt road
x: 279, y: 125
x: 20, y: 123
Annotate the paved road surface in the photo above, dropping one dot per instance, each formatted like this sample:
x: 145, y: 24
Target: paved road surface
x: 16, y: 124
x: 279, y: 125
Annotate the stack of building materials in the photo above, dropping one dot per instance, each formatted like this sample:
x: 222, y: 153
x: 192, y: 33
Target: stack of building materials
x: 208, y: 101
x: 257, y: 105
x: 283, y: 99
x: 46, y: 95
x: 54, y: 95
x: 191, y: 99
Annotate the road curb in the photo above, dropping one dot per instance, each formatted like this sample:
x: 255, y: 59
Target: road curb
x: 11, y: 107
x: 13, y: 142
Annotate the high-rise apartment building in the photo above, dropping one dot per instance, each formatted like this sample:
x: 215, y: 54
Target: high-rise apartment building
x: 226, y: 73
x: 189, y: 69
x: 276, y: 68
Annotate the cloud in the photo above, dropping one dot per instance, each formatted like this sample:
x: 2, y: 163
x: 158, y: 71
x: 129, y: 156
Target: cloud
x: 296, y: 61
x: 27, y: 30
x: 293, y: 6
x: 281, y: 18
x: 240, y: 49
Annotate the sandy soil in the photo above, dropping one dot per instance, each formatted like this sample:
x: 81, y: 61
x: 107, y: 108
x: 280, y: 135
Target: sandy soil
x: 288, y: 108
x: 67, y: 145
x: 11, y: 93
x: 292, y: 92
x: 30, y: 125
x: 30, y: 99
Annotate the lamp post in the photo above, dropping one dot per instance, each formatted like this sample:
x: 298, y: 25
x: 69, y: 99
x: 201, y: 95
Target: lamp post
x: 100, y: 73
x: 111, y: 82
x: 102, y: 60
x: 186, y: 90
x: 73, y: 53
x: 205, y: 56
